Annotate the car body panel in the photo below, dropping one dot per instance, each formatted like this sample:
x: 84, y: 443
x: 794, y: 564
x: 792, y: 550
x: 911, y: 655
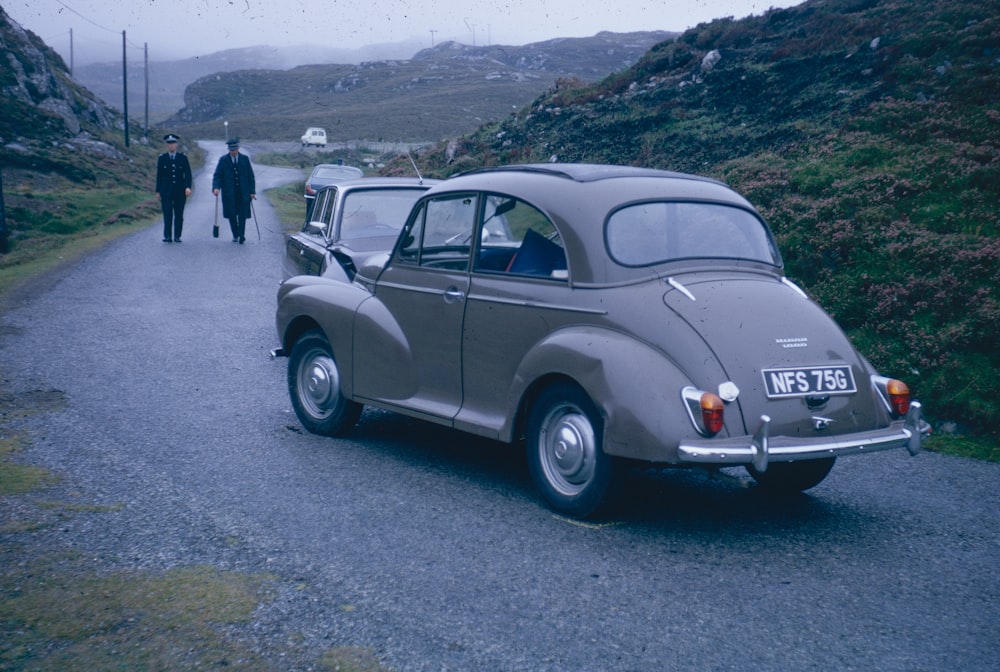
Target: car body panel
x: 447, y: 328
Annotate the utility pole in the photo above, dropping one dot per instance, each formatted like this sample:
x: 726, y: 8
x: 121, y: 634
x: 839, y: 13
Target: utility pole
x: 432, y: 36
x: 145, y: 50
x: 70, y: 52
x: 3, y: 220
x: 125, y: 87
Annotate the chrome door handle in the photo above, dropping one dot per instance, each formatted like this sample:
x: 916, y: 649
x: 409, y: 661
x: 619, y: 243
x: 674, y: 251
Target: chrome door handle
x: 453, y: 294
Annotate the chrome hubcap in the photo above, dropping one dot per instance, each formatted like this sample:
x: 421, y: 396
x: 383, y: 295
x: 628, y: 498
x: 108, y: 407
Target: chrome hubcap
x: 319, y: 385
x: 568, y: 450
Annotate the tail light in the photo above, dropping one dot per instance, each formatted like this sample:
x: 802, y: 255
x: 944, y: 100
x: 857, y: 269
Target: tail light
x: 899, y: 397
x: 705, y: 409
x: 895, y: 394
x: 711, y: 413
x: 310, y: 190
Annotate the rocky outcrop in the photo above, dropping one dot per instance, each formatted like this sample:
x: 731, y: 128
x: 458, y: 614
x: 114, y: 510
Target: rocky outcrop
x: 38, y: 97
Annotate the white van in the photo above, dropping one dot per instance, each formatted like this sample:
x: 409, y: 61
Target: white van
x: 314, y: 136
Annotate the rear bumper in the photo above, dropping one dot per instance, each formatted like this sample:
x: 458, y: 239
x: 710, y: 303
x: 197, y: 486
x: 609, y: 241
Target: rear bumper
x: 762, y: 448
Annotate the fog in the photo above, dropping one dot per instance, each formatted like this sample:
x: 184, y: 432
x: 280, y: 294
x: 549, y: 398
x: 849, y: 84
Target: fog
x: 91, y: 30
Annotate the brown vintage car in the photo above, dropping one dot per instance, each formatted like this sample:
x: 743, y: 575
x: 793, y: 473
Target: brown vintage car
x: 601, y: 314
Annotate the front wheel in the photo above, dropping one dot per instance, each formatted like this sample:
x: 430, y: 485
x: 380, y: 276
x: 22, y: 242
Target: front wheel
x: 787, y: 477
x: 314, y: 386
x: 565, y: 453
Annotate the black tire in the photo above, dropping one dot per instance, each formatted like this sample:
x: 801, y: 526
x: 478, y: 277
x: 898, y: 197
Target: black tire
x: 565, y: 452
x: 314, y: 386
x: 788, y: 477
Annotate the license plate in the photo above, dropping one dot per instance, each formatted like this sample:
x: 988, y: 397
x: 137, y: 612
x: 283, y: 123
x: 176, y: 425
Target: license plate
x: 804, y: 381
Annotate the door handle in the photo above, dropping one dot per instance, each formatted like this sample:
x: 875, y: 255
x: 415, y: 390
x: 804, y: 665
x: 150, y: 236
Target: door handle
x: 453, y: 294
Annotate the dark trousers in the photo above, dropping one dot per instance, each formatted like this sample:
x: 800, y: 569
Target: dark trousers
x: 238, y: 225
x: 173, y: 214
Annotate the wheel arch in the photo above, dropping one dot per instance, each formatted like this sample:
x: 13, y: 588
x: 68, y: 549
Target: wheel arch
x: 635, y: 387
x: 296, y: 328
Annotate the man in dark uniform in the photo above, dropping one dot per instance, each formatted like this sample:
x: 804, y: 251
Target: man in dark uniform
x: 173, y: 186
x: 234, y: 178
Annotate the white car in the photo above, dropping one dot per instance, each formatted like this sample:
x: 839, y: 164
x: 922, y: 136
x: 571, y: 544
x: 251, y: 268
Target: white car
x: 314, y: 136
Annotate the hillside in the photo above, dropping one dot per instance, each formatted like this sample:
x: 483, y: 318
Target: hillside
x: 441, y: 92
x: 866, y: 131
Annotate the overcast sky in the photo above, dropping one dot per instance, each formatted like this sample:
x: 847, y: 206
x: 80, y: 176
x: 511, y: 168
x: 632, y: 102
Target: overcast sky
x: 183, y: 28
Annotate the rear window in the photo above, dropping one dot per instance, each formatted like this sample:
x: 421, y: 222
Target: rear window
x: 338, y: 172
x: 645, y: 234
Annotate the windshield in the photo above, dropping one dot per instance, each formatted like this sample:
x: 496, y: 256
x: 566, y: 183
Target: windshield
x: 380, y: 212
x: 651, y: 233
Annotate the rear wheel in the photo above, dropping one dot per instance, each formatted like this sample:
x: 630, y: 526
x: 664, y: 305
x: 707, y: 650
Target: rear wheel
x: 792, y: 476
x: 314, y: 387
x: 565, y: 453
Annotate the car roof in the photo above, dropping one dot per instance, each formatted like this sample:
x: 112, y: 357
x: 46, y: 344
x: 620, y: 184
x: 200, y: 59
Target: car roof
x: 579, y: 197
x: 378, y: 181
x: 588, y: 172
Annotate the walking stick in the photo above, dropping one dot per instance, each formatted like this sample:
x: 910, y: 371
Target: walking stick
x: 215, y: 226
x: 254, y: 213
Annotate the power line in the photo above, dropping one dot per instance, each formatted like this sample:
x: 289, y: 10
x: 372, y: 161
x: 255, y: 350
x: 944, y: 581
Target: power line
x: 130, y: 44
x: 93, y: 23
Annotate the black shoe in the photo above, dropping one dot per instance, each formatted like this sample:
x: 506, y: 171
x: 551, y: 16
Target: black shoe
x: 242, y: 240
x: 235, y: 239
x: 166, y: 240
x: 177, y: 240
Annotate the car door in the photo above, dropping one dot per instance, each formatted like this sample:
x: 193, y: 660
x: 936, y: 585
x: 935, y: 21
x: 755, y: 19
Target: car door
x: 306, y: 251
x: 519, y: 294
x: 408, y: 342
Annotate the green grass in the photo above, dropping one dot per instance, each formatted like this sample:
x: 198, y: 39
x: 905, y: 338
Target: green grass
x: 289, y: 204
x: 65, y: 620
x: 15, y: 478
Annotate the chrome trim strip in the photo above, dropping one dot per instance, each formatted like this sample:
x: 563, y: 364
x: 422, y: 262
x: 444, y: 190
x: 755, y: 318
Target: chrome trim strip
x: 788, y: 283
x: 680, y: 288
x: 433, y: 291
x: 535, y: 304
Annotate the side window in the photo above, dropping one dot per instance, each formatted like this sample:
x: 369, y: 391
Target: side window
x: 441, y: 233
x: 519, y: 239
x: 321, y: 216
x: 409, y: 245
x: 450, y: 221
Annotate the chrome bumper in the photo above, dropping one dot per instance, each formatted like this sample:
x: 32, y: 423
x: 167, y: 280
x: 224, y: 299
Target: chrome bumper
x: 762, y: 448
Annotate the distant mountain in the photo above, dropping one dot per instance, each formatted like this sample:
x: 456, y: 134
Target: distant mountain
x: 441, y: 92
x: 168, y: 79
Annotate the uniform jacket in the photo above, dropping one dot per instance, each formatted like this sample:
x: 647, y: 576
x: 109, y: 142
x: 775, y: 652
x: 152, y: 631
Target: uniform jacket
x: 224, y: 180
x: 172, y: 176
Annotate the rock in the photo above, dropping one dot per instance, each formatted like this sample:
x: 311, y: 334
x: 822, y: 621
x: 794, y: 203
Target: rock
x: 711, y: 58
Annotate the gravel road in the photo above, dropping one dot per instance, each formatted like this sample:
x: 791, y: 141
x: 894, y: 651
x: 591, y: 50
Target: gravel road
x: 431, y: 547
